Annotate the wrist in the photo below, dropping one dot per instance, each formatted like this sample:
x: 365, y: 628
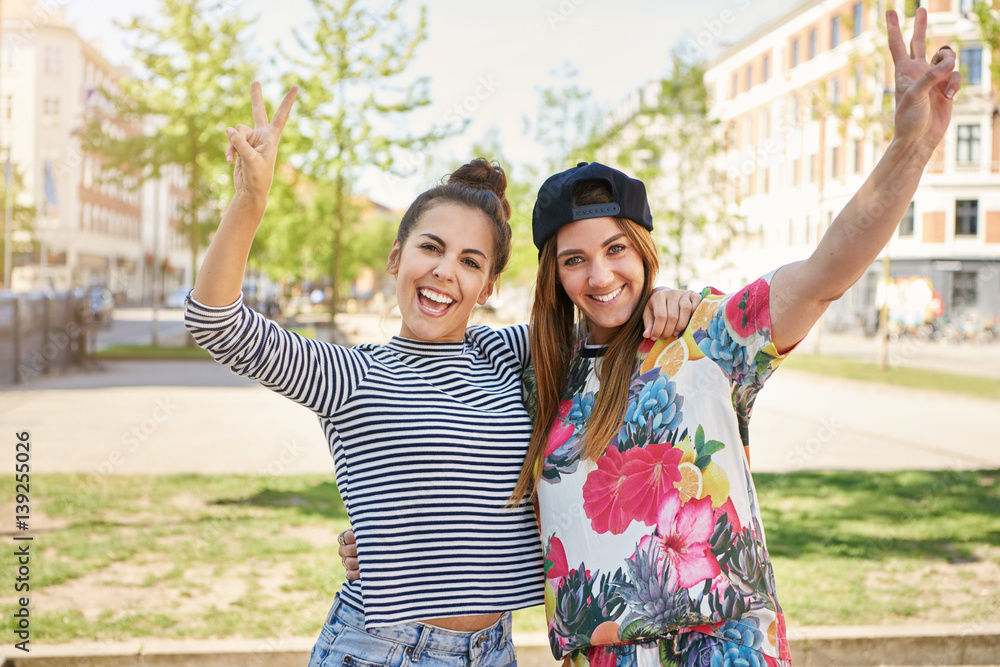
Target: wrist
x: 249, y: 204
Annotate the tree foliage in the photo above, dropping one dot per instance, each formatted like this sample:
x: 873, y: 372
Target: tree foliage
x: 351, y: 114
x: 670, y: 145
x: 22, y: 222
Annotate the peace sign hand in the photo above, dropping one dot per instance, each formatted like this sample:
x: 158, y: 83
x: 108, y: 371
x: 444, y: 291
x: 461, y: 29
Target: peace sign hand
x: 255, y: 150
x: 924, y: 91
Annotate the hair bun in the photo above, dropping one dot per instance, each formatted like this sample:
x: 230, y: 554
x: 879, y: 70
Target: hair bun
x: 482, y: 174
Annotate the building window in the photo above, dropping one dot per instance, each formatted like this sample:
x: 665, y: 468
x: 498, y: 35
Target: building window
x: 53, y: 60
x: 906, y: 224
x: 963, y: 289
x: 965, y: 6
x: 50, y: 108
x: 766, y: 74
x: 972, y: 66
x: 795, y: 52
x: 735, y: 85
x: 834, y: 31
x: 835, y: 162
x: 858, y: 157
x: 966, y: 217
x: 835, y: 90
x: 857, y: 18
x: 968, y: 144
x: 857, y: 81
x: 749, y: 76
x: 812, y: 43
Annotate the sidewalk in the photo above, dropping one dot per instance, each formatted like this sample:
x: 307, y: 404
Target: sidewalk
x: 810, y: 647
x: 162, y: 417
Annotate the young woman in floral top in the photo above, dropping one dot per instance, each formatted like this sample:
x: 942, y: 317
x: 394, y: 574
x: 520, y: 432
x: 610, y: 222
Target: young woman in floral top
x: 654, y: 548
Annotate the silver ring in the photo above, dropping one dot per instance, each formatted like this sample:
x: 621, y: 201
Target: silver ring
x: 340, y: 538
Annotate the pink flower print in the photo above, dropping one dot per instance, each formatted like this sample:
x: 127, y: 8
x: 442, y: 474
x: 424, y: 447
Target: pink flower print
x: 602, y: 494
x: 682, y: 534
x: 557, y: 555
x: 630, y: 487
x: 560, y: 431
x: 650, y: 474
x: 748, y: 310
x: 732, y: 518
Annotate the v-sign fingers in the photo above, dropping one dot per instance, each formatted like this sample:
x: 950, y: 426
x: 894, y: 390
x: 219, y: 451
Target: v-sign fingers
x: 257, y: 106
x: 896, y: 45
x: 918, y: 43
x: 281, y: 115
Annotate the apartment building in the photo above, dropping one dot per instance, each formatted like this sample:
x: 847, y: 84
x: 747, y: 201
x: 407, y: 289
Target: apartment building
x: 93, y: 230
x: 805, y: 107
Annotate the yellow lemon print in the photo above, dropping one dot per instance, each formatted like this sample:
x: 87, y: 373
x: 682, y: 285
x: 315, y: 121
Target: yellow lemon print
x: 550, y: 601
x: 772, y: 632
x: 716, y: 484
x: 668, y: 358
x: 691, y: 483
x: 687, y: 448
x: 699, y: 320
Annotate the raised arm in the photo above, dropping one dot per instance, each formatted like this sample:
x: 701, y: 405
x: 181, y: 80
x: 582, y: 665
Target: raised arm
x: 255, y: 150
x: 801, y: 292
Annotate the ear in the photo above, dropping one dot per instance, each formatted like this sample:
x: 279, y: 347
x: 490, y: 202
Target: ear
x: 487, y: 291
x: 392, y: 266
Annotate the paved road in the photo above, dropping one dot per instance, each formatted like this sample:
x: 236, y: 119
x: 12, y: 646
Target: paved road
x: 191, y: 416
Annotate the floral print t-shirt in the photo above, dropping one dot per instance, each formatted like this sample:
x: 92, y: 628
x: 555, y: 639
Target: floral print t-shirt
x: 661, y: 537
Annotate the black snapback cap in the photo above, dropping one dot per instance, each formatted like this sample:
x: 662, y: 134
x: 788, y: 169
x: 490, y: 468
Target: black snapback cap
x: 554, y: 206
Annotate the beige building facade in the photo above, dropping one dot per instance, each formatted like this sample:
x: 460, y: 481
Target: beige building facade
x: 92, y: 229
x: 805, y: 105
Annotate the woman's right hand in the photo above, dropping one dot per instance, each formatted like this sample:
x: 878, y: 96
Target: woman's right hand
x: 255, y: 150
x: 348, y: 552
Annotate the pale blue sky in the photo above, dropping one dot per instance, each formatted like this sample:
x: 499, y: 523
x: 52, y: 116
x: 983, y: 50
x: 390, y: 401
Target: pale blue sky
x: 493, y: 56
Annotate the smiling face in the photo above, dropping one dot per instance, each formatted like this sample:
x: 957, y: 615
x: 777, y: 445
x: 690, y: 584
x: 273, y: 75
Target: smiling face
x: 601, y: 271
x: 442, y: 271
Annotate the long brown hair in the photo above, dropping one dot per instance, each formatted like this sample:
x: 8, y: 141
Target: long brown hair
x: 557, y: 327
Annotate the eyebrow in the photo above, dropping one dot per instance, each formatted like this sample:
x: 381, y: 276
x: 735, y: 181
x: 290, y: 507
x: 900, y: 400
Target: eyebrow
x: 574, y: 251
x: 439, y: 240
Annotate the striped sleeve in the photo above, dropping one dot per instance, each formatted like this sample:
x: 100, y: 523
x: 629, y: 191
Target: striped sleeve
x: 318, y: 375
x: 516, y: 338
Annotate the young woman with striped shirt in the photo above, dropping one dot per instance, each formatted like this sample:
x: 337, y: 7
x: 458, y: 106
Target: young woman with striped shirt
x: 428, y: 432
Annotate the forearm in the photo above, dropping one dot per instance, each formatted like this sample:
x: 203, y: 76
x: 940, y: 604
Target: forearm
x: 801, y: 292
x: 864, y: 227
x: 220, y: 279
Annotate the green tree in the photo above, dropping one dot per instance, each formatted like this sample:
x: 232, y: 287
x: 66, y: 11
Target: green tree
x: 989, y: 30
x: 352, y: 111
x: 673, y: 128
x: 567, y: 122
x: 22, y: 222
x: 522, y: 188
x: 192, y: 78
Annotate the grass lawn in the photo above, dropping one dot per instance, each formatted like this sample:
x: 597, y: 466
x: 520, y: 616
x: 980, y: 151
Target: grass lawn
x: 173, y: 351
x: 174, y: 557
x: 915, y: 378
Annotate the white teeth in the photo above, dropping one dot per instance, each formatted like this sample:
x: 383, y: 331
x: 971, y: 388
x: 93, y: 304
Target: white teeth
x: 434, y: 296
x: 608, y: 297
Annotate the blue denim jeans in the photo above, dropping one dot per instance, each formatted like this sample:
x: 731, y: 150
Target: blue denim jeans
x: 344, y: 642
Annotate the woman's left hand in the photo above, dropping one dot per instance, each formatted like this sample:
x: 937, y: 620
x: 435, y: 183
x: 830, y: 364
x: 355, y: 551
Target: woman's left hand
x: 667, y: 312
x: 924, y: 91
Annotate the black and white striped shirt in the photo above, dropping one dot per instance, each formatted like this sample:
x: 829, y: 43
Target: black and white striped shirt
x: 427, y: 440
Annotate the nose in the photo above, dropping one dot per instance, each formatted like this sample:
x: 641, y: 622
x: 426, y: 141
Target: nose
x: 444, y: 270
x: 600, y: 273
